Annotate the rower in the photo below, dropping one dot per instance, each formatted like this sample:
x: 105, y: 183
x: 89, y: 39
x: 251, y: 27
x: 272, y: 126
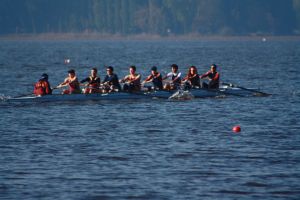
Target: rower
x: 72, y: 82
x: 111, y: 81
x: 174, y: 78
x: 156, y: 79
x: 93, y: 82
x: 192, y: 79
x: 213, y: 78
x: 132, y: 81
x: 42, y: 87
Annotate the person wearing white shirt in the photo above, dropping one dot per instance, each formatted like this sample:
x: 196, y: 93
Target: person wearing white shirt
x: 174, y: 78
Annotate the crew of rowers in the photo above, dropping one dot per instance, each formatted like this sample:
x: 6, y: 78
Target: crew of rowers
x: 131, y: 82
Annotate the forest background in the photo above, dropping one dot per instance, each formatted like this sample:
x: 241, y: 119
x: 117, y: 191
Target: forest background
x: 151, y: 17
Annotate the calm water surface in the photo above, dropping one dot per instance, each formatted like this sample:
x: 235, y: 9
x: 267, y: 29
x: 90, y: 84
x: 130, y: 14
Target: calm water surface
x: 155, y: 149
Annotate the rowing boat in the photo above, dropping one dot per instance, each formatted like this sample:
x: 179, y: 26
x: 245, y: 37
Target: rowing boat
x: 196, y: 93
x: 90, y: 97
x: 77, y: 97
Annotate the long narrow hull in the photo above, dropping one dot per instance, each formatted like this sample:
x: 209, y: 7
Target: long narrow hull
x: 78, y: 97
x: 197, y: 93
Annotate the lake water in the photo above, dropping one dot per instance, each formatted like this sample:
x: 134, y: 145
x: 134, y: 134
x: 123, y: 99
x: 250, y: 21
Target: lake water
x: 154, y: 149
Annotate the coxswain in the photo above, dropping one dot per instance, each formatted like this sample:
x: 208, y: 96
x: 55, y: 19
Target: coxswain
x: 213, y: 78
x: 111, y: 81
x: 174, y: 78
x: 192, y: 79
x: 132, y: 82
x: 93, y: 83
x: 156, y: 79
x: 72, y: 82
x: 42, y: 87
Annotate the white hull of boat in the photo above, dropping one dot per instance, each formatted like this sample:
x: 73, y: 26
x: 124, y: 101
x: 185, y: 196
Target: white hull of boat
x: 197, y: 93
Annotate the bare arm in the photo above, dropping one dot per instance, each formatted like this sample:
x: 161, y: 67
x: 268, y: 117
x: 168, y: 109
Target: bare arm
x: 66, y: 81
x: 148, y: 79
x: 124, y: 79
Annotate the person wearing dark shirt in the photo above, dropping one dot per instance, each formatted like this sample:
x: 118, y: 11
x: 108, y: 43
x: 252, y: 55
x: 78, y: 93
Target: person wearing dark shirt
x: 192, y: 79
x: 111, y: 81
x: 93, y: 82
x: 156, y: 79
x: 213, y: 78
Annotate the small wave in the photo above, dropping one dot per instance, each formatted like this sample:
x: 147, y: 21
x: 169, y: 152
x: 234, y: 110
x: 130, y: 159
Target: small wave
x: 182, y: 95
x: 296, y: 93
x: 234, y: 192
x: 255, y: 184
x: 3, y: 97
x: 28, y: 66
x: 116, y: 158
x: 285, y: 192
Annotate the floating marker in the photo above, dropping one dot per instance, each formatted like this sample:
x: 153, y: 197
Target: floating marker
x: 236, y: 129
x: 67, y: 61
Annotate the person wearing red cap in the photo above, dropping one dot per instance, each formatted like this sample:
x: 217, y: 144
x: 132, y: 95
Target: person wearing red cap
x: 72, y: 82
x: 156, y: 79
x: 213, y: 78
x: 42, y: 87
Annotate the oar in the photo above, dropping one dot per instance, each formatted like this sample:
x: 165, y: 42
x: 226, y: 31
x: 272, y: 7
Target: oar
x: 54, y: 88
x: 222, y: 92
x: 247, y: 89
x: 23, y: 95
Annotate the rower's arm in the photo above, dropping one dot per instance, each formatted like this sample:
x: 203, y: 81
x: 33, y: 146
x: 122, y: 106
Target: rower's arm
x: 98, y: 80
x: 217, y: 76
x: 185, y: 78
x: 85, y: 80
x: 148, y: 79
x: 205, y: 75
x: 124, y: 79
x: 115, y: 79
x: 137, y: 77
x: 168, y: 75
x: 165, y: 77
x: 48, y: 88
x: 66, y: 81
x: 104, y: 80
x: 177, y: 77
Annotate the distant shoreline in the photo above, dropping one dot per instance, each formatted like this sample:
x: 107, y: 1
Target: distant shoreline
x: 141, y: 37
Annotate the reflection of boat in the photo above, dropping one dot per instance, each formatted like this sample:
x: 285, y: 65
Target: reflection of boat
x: 197, y: 93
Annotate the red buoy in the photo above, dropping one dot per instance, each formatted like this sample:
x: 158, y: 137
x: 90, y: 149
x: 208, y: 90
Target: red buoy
x: 236, y: 129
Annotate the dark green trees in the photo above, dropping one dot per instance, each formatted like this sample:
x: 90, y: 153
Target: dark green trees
x: 162, y: 17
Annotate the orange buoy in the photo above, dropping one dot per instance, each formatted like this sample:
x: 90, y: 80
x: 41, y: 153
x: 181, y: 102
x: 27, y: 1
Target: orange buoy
x: 236, y: 129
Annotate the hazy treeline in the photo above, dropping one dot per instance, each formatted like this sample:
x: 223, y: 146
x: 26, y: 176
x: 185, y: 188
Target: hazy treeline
x: 162, y: 17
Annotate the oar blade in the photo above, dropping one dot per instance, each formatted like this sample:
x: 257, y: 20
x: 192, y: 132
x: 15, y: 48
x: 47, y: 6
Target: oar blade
x: 255, y: 92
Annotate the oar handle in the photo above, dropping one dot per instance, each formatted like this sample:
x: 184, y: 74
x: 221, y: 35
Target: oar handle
x: 60, y: 86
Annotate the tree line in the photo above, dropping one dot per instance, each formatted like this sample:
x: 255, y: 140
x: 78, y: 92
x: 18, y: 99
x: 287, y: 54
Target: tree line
x: 161, y: 17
